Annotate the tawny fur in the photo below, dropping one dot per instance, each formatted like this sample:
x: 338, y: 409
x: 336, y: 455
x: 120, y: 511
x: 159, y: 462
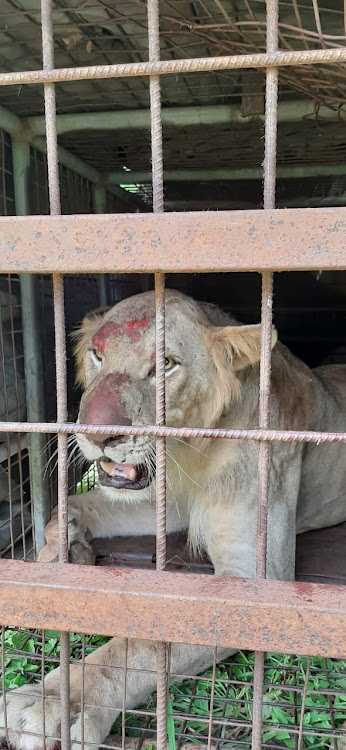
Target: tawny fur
x: 211, y: 484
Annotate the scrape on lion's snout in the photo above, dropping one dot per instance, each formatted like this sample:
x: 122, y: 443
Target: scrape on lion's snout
x: 103, y: 405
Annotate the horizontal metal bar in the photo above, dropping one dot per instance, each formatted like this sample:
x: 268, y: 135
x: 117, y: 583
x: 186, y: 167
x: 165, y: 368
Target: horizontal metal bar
x: 190, y: 65
x: 139, y: 119
x: 286, y: 436
x: 295, y: 618
x: 219, y: 174
x: 284, y: 239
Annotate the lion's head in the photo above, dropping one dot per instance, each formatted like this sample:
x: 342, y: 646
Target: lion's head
x: 115, y: 352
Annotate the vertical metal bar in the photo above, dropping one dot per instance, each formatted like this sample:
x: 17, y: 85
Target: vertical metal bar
x: 123, y: 712
x: 158, y: 207
x: 43, y: 640
x: 3, y: 686
x: 33, y: 361
x: 100, y: 207
x: 82, y: 692
x: 302, y: 711
x: 266, y: 338
x: 60, y: 345
x: 160, y: 420
x: 155, y: 107
x: 60, y: 348
x: 211, y: 702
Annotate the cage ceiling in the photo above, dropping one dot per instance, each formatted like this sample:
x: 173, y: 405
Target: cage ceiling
x: 229, y: 104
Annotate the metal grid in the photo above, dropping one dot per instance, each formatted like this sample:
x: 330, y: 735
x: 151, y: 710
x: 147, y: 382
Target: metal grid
x: 167, y: 609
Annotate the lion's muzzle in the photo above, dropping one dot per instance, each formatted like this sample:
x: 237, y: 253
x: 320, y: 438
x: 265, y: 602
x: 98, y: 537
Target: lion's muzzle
x: 103, y: 405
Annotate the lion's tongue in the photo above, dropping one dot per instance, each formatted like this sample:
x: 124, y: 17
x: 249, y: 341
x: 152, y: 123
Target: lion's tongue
x: 128, y: 471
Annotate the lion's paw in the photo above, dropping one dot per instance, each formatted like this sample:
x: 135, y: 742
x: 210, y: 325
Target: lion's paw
x: 80, y: 552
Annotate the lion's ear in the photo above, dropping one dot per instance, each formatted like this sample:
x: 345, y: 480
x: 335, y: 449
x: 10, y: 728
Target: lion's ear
x: 82, y: 337
x: 239, y: 345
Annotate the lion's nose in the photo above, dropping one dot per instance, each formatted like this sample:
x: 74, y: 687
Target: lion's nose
x: 103, y: 407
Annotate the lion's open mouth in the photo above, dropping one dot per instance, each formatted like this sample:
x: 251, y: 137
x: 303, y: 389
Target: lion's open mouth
x: 122, y: 476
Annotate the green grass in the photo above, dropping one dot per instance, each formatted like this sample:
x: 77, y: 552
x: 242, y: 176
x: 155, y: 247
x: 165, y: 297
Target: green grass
x: 88, y: 481
x: 190, y: 702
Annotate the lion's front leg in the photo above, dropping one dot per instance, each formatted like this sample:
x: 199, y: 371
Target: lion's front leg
x: 92, y: 515
x: 229, y: 530
x: 104, y: 688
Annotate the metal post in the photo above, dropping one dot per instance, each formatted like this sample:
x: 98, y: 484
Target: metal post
x: 32, y: 355
x: 100, y: 207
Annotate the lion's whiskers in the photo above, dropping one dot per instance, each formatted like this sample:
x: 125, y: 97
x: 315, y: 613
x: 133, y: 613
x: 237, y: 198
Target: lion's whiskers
x: 180, y: 468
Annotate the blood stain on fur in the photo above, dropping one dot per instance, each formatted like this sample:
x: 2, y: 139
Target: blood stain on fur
x: 131, y: 328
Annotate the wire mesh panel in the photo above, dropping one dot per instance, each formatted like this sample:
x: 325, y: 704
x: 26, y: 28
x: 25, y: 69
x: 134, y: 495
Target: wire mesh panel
x: 76, y: 190
x: 166, y: 627
x: 15, y: 501
x: 303, y: 703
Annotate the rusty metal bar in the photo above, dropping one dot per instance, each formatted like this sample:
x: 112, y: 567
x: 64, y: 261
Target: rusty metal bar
x: 287, y: 239
x: 292, y: 617
x: 303, y: 705
x: 198, y: 64
x: 211, y: 702
x: 3, y: 684
x: 161, y: 646
x: 160, y: 422
x: 60, y: 350
x: 269, y: 185
x: 285, y: 436
x: 160, y: 481
x: 60, y: 358
x: 155, y: 108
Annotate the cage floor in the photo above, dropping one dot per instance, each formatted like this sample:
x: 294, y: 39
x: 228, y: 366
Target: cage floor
x: 320, y: 555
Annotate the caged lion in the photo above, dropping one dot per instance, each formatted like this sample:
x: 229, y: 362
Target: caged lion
x: 212, y: 380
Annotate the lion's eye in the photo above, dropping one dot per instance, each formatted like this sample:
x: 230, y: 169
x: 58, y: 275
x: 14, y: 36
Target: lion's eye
x: 97, y: 354
x: 169, y: 364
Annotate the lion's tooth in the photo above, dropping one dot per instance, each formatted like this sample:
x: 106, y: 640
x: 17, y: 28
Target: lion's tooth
x: 119, y: 470
x: 107, y: 466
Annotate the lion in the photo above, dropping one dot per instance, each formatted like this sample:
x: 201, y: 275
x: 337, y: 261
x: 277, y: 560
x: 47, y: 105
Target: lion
x: 212, y: 380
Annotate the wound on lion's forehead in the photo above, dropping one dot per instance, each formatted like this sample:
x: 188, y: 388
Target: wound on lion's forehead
x: 110, y: 329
